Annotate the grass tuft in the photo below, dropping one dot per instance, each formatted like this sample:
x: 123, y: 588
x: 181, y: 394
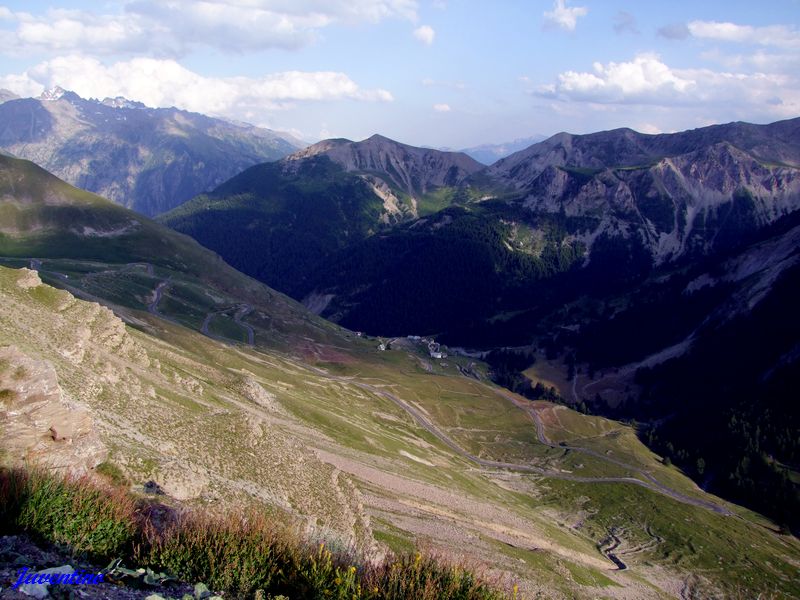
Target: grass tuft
x: 100, y: 522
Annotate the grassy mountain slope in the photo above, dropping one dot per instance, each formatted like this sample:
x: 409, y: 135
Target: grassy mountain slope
x: 600, y: 257
x: 275, y: 225
x: 290, y: 216
x: 329, y: 446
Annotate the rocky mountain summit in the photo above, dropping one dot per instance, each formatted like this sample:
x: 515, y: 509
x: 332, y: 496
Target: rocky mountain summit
x: 147, y: 159
x: 415, y: 171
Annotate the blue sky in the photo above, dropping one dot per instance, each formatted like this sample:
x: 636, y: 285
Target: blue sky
x: 443, y: 73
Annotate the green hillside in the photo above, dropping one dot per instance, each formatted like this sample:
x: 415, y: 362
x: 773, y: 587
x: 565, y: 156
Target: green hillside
x: 274, y: 225
x: 101, y: 251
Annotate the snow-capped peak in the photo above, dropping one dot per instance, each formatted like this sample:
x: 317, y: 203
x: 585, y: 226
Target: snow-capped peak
x: 122, y: 102
x: 53, y: 94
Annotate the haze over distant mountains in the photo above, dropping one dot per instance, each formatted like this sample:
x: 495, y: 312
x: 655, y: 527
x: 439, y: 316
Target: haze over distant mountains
x: 490, y: 153
x: 147, y: 159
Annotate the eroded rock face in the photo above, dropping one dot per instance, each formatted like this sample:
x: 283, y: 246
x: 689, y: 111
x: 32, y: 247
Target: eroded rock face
x: 28, y: 279
x: 689, y: 193
x: 39, y: 424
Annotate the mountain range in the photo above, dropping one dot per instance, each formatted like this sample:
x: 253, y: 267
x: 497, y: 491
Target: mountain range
x: 568, y: 202
x: 652, y: 279
x: 147, y: 159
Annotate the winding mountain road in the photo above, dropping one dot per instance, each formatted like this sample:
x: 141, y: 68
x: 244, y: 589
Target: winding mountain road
x: 242, y: 311
x: 152, y: 308
x: 651, y: 482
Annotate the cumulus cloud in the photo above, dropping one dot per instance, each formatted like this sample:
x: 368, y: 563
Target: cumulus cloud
x: 648, y: 80
x: 781, y: 36
x: 164, y: 82
x: 425, y: 34
x: 441, y: 107
x: 643, y: 77
x: 564, y: 17
x: 173, y: 28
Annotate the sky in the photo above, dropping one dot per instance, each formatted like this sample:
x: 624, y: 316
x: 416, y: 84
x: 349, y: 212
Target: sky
x: 439, y: 73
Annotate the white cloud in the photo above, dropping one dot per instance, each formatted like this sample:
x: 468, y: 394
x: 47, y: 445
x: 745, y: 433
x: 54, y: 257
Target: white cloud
x: 166, y: 83
x: 564, y: 17
x: 764, y: 61
x: 425, y: 34
x: 22, y: 85
x: 781, y: 36
x: 649, y: 128
x: 645, y: 76
x: 173, y: 28
x: 646, y: 80
x: 441, y: 107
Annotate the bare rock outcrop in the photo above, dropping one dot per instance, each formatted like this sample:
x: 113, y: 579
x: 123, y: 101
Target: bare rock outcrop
x: 39, y: 425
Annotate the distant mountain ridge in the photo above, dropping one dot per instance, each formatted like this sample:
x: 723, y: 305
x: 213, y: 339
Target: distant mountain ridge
x: 672, y: 193
x: 278, y: 221
x: 147, y: 159
x: 773, y: 143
